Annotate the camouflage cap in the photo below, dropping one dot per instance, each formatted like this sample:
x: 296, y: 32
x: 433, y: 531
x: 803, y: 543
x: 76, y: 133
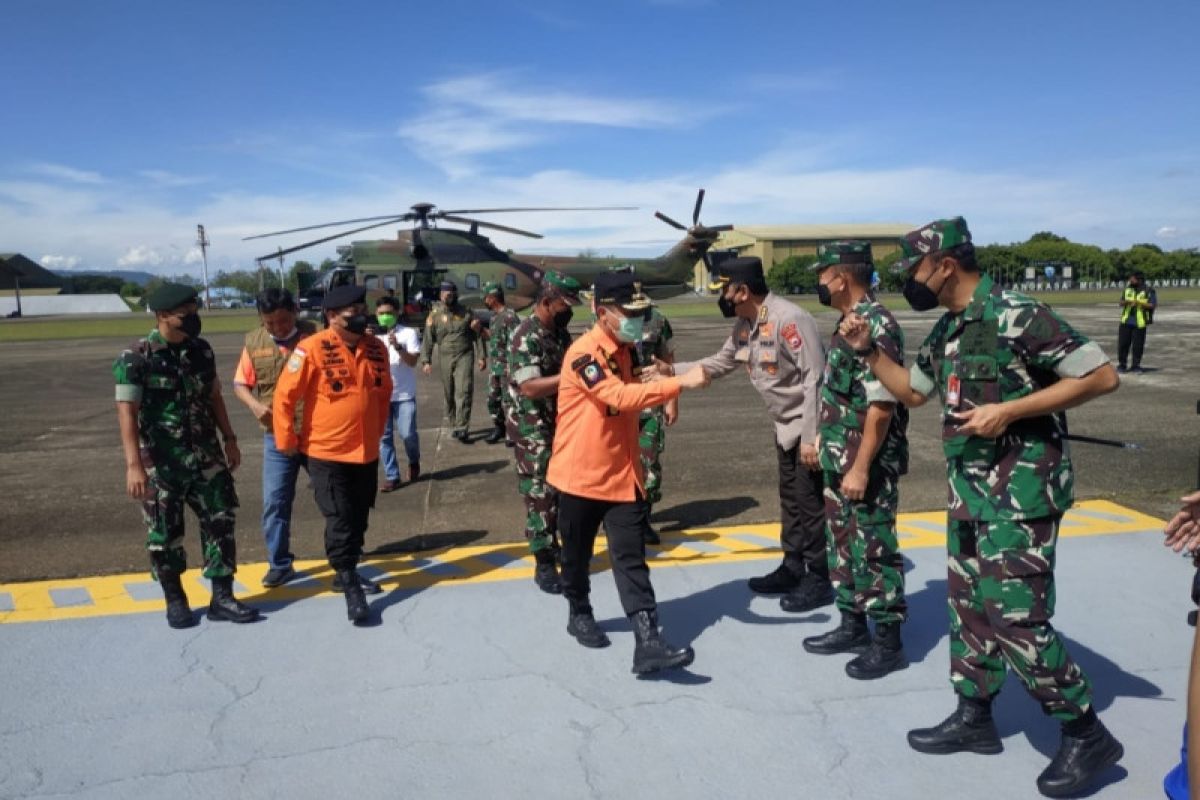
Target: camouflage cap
x: 169, y: 296
x: 491, y: 287
x: 941, y: 234
x: 846, y: 252
x: 562, y: 287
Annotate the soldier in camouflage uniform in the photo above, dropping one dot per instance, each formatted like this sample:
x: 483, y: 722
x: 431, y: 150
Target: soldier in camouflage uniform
x: 653, y: 422
x: 455, y: 331
x: 535, y: 355
x: 863, y: 452
x: 169, y: 406
x: 1004, y: 367
x: 504, y: 322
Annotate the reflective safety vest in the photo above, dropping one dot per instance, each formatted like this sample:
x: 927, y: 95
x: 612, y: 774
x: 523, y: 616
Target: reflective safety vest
x: 1140, y: 315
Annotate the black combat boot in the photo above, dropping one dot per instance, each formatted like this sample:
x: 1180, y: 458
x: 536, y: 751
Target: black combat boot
x: 582, y: 625
x: 781, y: 581
x: 357, y: 609
x: 179, y: 613
x: 1087, y: 749
x: 886, y: 654
x: 545, y: 574
x: 225, y: 607
x: 652, y: 652
x: 496, y: 436
x: 814, y: 591
x: 851, y: 636
x: 970, y: 727
x: 368, y: 586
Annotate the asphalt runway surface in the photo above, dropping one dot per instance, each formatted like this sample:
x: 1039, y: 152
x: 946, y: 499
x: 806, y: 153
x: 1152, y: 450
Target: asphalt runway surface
x: 65, y: 512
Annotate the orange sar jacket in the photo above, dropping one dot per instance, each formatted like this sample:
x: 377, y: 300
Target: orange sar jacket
x: 596, y: 452
x: 347, y: 398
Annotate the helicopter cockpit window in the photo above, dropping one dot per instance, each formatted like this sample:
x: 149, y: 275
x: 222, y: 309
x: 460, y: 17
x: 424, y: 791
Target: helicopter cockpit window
x: 371, y: 281
x: 510, y: 281
x: 472, y: 281
x: 390, y: 282
x: 342, y: 278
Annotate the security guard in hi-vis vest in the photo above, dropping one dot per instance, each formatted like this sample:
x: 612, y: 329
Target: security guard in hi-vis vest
x: 597, y: 471
x: 266, y: 351
x: 170, y: 409
x: 1004, y: 367
x: 342, y: 378
x: 779, y: 347
x: 1137, y: 312
x: 456, y: 334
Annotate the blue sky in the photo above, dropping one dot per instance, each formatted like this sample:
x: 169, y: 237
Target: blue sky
x: 127, y: 123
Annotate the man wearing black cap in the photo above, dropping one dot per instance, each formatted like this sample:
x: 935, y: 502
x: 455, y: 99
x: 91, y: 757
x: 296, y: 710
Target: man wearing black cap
x: 455, y: 331
x: 343, y: 378
x: 596, y: 468
x: 778, y: 344
x: 170, y: 408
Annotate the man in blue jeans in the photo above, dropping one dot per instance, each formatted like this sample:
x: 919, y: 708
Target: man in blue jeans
x: 404, y: 348
x: 267, y: 349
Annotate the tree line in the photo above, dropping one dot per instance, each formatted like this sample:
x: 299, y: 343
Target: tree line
x: 246, y: 282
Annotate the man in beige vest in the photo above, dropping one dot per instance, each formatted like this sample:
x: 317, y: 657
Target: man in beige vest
x: 267, y: 349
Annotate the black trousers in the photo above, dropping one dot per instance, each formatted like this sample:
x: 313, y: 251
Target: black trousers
x: 345, y: 494
x: 802, y: 506
x: 1126, y: 336
x: 579, y: 519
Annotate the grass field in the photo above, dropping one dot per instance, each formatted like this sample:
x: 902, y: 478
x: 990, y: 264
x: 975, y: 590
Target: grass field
x: 230, y: 321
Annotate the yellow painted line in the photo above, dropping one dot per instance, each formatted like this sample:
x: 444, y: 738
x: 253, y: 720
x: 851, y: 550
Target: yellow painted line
x: 111, y: 595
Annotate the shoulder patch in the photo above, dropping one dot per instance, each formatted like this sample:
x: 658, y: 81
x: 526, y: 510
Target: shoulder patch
x: 296, y: 360
x: 792, y: 336
x: 590, y: 371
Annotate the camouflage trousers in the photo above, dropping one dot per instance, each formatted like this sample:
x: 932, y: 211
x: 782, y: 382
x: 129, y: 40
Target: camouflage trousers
x: 1001, y: 598
x: 497, y: 401
x: 865, y: 565
x: 652, y: 440
x: 211, y: 496
x: 541, y: 499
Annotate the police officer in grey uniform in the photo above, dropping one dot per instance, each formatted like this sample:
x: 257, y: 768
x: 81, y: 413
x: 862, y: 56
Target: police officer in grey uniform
x: 778, y: 344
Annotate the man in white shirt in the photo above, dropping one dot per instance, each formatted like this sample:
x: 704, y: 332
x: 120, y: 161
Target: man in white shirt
x: 404, y: 348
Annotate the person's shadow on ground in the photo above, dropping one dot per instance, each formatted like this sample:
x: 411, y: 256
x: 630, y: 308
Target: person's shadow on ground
x: 698, y: 513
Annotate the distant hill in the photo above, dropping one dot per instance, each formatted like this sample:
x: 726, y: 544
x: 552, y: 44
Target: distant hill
x: 129, y: 276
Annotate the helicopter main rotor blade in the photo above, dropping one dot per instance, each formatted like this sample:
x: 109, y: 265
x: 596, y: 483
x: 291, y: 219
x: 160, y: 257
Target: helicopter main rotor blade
x: 552, y: 208
x: 669, y: 221
x: 396, y: 217
x: 482, y: 224
x: 696, y: 211
x: 286, y: 250
x: 715, y: 228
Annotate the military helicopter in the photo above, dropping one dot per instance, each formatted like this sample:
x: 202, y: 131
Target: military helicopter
x: 412, y: 265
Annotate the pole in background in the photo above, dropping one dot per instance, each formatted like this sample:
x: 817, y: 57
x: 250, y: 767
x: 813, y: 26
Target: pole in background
x: 202, y: 240
x: 282, y: 284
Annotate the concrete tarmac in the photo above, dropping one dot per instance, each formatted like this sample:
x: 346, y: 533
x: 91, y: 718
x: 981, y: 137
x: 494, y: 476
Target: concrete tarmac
x: 472, y: 688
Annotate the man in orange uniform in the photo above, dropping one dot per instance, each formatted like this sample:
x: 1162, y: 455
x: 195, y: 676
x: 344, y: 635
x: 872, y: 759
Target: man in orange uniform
x: 341, y: 374
x: 597, y: 469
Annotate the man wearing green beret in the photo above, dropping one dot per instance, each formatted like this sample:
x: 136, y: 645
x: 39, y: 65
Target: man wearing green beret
x: 170, y: 408
x: 504, y: 322
x: 1004, y: 368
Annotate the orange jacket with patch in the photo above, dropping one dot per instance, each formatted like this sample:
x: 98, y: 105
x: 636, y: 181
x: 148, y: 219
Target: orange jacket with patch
x: 596, y: 452
x: 347, y: 398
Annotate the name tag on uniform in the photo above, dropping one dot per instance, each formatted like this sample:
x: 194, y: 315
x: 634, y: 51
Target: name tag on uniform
x: 742, y: 355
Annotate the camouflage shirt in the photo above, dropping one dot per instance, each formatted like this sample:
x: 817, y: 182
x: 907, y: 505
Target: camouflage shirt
x: 1001, y: 347
x: 173, y: 385
x: 656, y: 338
x: 504, y: 322
x: 535, y: 352
x: 849, y: 387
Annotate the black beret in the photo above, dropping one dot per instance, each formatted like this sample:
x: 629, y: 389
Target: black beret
x: 739, y: 270
x: 447, y: 286
x: 342, y: 296
x: 170, y: 295
x: 620, y: 289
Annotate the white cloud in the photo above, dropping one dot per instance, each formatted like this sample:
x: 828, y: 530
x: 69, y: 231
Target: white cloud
x: 1167, y: 232
x: 165, y: 179
x: 141, y: 256
x: 60, y: 262
x: 65, y: 173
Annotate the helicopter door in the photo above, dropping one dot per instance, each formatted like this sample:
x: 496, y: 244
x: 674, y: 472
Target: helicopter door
x: 421, y: 289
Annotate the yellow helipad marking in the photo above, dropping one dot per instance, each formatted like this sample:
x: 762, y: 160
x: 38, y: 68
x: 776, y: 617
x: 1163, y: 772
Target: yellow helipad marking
x: 111, y: 595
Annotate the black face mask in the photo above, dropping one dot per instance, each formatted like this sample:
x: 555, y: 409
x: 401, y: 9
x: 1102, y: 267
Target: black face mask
x: 824, y: 296
x: 919, y: 296
x: 451, y: 299
x: 727, y: 306
x: 189, y: 325
x: 563, y: 318
x: 356, y: 323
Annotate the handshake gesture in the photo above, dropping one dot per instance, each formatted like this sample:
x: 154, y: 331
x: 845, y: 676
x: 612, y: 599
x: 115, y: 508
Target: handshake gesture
x: 694, y: 378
